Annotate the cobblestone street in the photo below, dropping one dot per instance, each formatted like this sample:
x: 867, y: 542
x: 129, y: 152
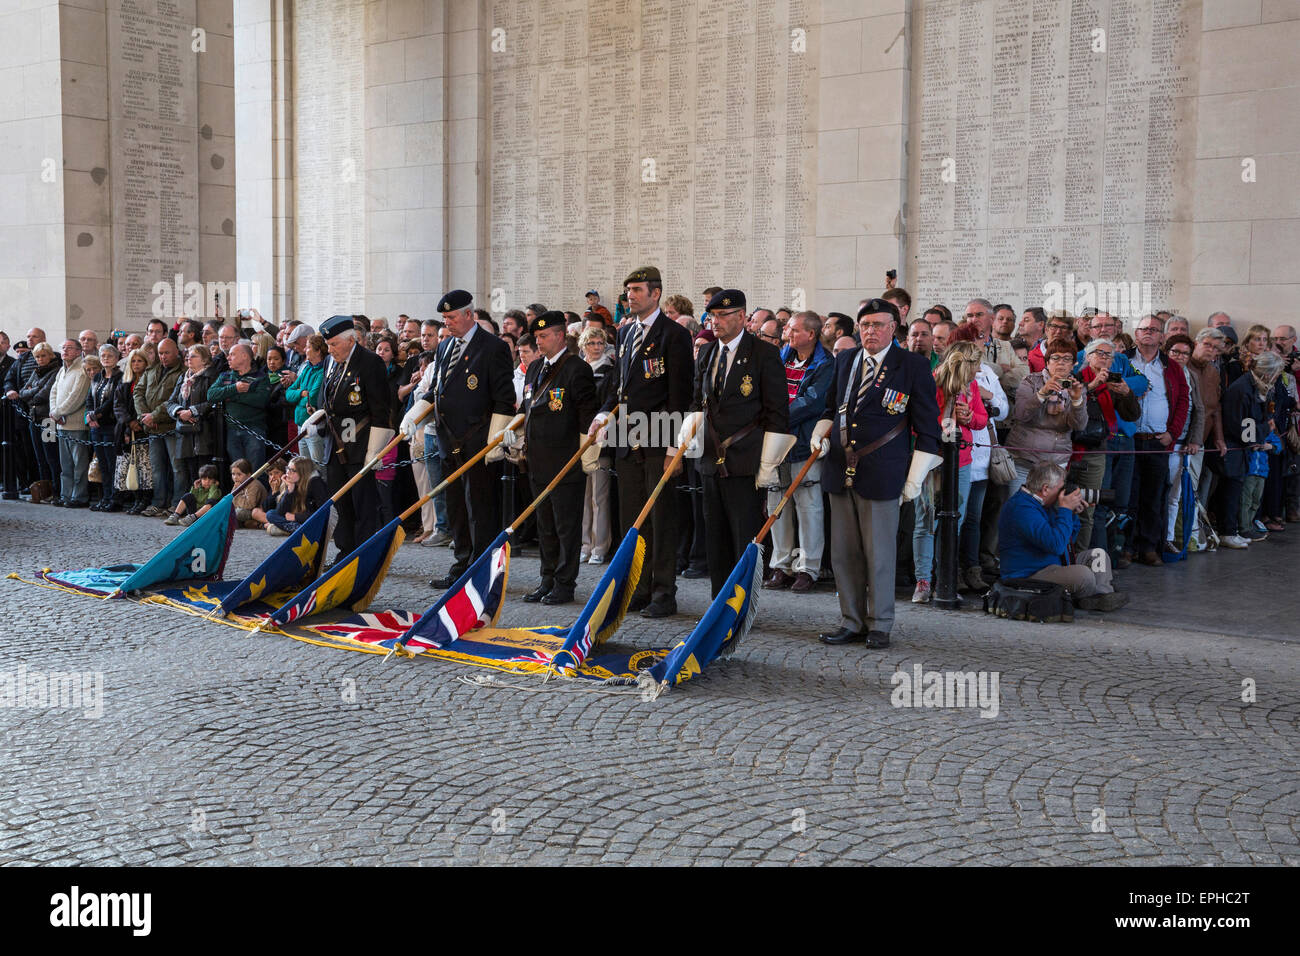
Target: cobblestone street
x: 1113, y: 741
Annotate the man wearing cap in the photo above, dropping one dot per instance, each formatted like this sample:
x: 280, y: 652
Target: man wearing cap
x: 358, y: 410
x: 559, y: 404
x: 740, y: 395
x: 882, y: 400
x: 655, y: 380
x: 473, y: 398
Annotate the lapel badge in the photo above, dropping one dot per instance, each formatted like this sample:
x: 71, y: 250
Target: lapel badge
x: 746, y: 385
x: 471, y: 382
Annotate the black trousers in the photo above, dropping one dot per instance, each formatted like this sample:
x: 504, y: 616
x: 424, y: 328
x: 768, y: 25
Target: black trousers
x: 559, y: 531
x: 473, y: 510
x: 358, y: 509
x: 733, y: 513
x: 1151, y: 476
x: 638, y: 473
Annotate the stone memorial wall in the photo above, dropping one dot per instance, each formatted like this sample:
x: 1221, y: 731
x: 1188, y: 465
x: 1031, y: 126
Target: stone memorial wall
x: 153, y: 101
x: 674, y: 132
x: 1054, y: 142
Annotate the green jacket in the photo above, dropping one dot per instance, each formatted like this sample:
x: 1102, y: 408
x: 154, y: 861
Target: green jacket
x: 152, y: 393
x: 248, y: 408
x: 305, y: 390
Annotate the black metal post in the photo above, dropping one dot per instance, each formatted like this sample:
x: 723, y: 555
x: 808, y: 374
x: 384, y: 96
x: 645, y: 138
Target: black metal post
x: 947, y: 525
x: 10, y: 475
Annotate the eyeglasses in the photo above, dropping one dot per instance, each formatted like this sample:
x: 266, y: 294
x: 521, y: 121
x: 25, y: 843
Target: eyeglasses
x: 1180, y: 352
x: 721, y: 312
x: 874, y: 326
x: 1149, y: 328
x: 770, y: 338
x: 1061, y: 357
x: 1102, y: 353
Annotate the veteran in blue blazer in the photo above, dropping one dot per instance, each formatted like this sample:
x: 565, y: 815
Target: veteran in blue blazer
x: 880, y: 433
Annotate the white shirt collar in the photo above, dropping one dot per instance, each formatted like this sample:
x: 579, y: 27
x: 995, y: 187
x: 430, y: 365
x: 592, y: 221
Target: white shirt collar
x: 473, y: 327
x: 880, y: 356
x: 646, y: 323
x: 731, y: 345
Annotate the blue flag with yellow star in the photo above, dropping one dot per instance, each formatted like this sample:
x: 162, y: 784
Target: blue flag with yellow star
x: 292, y: 565
x: 721, y: 628
x: 353, y: 581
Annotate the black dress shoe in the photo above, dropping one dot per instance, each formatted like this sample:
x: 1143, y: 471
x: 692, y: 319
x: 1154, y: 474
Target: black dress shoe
x: 877, y: 639
x: 444, y: 582
x: 664, y: 608
x: 638, y: 604
x: 843, y: 636
x: 558, y: 596
x: 77, y: 504
x: 693, y: 573
x: 113, y: 505
x: 532, y: 597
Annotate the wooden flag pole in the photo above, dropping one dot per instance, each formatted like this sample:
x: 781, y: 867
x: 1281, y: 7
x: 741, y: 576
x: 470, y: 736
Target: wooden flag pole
x: 780, y: 505
x: 577, y: 457
x: 683, y: 441
x: 442, y: 485
x: 375, y: 462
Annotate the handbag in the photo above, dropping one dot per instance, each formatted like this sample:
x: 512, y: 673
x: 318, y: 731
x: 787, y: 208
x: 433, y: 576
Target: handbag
x: 1002, y: 467
x: 1095, y: 432
x: 96, y: 473
x: 132, y: 477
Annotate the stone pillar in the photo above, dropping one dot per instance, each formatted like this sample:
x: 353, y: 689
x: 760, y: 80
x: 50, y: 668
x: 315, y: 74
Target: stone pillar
x: 264, y: 179
x: 861, y: 149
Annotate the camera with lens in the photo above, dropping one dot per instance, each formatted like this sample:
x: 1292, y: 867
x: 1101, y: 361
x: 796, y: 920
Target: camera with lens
x: 1091, y: 496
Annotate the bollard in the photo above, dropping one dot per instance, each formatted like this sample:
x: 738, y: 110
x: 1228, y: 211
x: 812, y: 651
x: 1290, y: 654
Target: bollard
x: 947, y: 524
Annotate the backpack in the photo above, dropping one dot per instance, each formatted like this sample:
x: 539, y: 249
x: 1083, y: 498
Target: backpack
x: 1029, y: 599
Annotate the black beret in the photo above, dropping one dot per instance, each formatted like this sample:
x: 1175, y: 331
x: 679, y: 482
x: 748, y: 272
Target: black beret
x: 547, y: 320
x: 454, y: 301
x: 336, y: 324
x: 644, y: 274
x: 726, y: 299
x: 877, y: 306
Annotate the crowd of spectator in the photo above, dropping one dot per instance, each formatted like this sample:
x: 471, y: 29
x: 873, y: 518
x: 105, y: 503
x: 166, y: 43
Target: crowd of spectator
x: 1074, y: 432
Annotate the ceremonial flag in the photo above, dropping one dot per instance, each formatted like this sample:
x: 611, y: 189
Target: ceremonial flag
x: 353, y: 581
x: 474, y: 601
x: 198, y: 552
x: 295, y: 562
x: 721, y: 628
x: 607, y: 605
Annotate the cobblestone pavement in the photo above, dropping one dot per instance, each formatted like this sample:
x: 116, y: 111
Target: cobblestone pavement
x: 1113, y: 742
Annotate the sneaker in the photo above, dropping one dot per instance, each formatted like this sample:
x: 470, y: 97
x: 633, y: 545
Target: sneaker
x: 922, y: 593
x: 1260, y: 526
x: 153, y: 512
x: 188, y: 520
x: 250, y: 523
x: 275, y: 532
x: 438, y: 540
x: 1234, y: 541
x: 596, y: 559
x: 585, y: 556
x: 173, y: 519
x: 1251, y: 534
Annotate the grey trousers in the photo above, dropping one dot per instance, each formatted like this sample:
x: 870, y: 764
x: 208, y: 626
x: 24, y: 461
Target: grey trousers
x: 1090, y: 574
x: 863, y: 548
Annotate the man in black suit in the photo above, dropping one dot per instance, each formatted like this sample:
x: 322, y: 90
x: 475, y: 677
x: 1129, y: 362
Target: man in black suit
x: 655, y: 380
x: 559, y: 404
x: 883, y: 398
x: 473, y: 397
x: 741, y: 396
x: 358, y: 412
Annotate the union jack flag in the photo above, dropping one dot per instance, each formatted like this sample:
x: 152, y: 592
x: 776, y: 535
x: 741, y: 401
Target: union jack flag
x: 296, y: 610
x: 472, y: 602
x: 373, y: 628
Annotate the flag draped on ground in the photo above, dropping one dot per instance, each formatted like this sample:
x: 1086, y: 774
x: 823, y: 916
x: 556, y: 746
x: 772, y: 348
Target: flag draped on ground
x: 295, y: 562
x: 606, y: 607
x: 197, y: 553
x: 352, y: 581
x: 474, y: 601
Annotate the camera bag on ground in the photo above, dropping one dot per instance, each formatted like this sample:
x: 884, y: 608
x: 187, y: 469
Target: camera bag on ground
x: 1029, y: 599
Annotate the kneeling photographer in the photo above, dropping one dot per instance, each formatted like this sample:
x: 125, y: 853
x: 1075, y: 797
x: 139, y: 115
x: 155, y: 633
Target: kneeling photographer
x: 1035, y: 529
x: 1108, y: 401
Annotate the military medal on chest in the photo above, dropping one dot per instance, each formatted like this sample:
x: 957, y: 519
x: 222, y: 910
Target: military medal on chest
x: 557, y: 400
x: 354, y: 394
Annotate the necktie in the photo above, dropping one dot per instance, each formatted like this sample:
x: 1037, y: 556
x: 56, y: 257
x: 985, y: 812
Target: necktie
x: 638, y: 333
x: 546, y: 369
x: 868, y: 375
x: 720, y: 375
x: 453, y: 356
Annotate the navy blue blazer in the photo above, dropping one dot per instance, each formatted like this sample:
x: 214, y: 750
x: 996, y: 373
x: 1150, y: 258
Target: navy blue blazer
x: 903, y: 386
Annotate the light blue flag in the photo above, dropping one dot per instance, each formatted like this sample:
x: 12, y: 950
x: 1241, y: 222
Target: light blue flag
x: 198, y: 552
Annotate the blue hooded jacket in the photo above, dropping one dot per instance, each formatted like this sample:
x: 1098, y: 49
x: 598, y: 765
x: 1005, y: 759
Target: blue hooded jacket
x: 809, y: 403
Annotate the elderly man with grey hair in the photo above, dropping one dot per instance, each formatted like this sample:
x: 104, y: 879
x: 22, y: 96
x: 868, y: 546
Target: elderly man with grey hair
x: 244, y: 393
x: 1011, y: 368
x: 295, y: 343
x: 1034, y: 533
